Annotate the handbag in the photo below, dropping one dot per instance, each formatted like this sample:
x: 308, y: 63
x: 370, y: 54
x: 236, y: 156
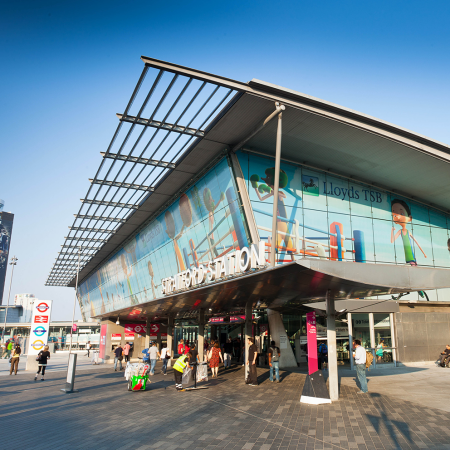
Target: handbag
x: 120, y: 358
x: 167, y: 356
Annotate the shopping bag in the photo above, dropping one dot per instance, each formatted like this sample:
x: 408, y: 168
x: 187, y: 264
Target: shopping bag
x: 202, y: 372
x: 187, y: 376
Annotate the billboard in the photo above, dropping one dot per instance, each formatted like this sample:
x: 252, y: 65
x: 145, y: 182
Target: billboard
x: 204, y: 223
x: 40, y: 325
x: 323, y: 215
x: 6, y: 224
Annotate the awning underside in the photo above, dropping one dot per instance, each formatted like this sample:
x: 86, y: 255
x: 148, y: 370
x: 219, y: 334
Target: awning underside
x: 289, y: 286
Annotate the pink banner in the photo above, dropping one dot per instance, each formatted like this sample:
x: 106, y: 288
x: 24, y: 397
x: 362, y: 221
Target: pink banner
x: 312, y: 342
x: 102, y: 341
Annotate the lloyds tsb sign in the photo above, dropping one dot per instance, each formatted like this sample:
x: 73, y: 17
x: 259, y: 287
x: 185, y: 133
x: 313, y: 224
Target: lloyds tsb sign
x: 236, y: 262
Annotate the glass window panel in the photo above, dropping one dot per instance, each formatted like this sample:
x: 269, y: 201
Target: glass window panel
x: 432, y: 295
x: 362, y: 229
x: 381, y: 207
x: 359, y: 204
x: 314, y: 189
x: 443, y: 295
x: 341, y: 223
x: 337, y: 191
x: 437, y: 219
x: 441, y: 253
x: 419, y: 214
x: 421, y: 236
x: 243, y: 162
x: 384, y: 249
x: 361, y: 329
x: 290, y: 234
x: 317, y: 236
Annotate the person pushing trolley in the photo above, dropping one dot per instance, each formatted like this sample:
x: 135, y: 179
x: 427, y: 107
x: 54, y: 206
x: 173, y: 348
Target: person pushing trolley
x: 178, y: 368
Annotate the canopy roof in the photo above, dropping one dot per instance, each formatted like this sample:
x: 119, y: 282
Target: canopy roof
x: 183, y: 120
x: 289, y: 286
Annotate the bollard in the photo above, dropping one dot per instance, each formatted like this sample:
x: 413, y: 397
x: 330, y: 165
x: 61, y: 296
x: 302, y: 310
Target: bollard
x: 70, y: 381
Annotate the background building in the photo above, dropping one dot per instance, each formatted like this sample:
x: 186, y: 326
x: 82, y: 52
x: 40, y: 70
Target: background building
x: 6, y: 225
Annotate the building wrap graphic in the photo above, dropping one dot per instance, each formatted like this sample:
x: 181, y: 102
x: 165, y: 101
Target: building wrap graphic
x: 40, y: 325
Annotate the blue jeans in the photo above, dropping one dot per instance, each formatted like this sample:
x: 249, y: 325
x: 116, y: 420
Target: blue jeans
x: 152, y: 366
x: 275, y: 365
x: 116, y: 359
x: 361, y: 374
x: 164, y: 367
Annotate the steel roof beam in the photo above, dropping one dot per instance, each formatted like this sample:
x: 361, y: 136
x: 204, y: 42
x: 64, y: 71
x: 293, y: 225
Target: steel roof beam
x: 67, y: 238
x: 90, y: 230
x: 112, y: 204
x: 137, y: 187
x: 161, y: 125
x: 136, y: 159
x: 104, y: 219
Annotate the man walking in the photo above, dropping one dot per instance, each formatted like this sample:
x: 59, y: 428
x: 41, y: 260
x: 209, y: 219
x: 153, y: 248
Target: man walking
x: 252, y: 355
x: 88, y: 348
x: 360, y: 360
x: 274, y: 361
x: 118, y: 357
x: 227, y: 354
x: 154, y: 355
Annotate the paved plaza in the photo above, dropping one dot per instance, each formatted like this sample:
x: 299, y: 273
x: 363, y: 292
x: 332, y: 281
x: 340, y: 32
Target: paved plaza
x: 228, y: 415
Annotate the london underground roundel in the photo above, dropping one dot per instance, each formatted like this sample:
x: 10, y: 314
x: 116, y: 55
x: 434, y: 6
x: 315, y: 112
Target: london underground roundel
x: 39, y: 331
x: 42, y: 307
x: 38, y: 344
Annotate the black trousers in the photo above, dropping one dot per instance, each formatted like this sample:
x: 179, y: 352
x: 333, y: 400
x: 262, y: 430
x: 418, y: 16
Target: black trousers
x: 178, y: 379
x: 252, y: 376
x: 43, y: 370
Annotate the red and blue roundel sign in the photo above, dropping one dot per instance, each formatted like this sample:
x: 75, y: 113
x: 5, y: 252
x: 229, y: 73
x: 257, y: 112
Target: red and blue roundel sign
x: 42, y: 307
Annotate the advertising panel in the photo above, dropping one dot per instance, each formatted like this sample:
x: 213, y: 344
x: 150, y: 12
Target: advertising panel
x: 330, y: 217
x: 203, y: 224
x: 102, y: 347
x: 40, y: 326
x: 311, y: 334
x: 6, y: 224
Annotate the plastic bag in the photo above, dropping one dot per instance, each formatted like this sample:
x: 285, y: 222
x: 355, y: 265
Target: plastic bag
x: 187, y: 376
x: 202, y: 372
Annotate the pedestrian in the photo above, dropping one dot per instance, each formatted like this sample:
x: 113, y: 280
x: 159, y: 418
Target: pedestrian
x: 323, y: 355
x: 227, y: 353
x: 178, y: 368
x: 274, y: 361
x: 360, y: 360
x: 237, y: 349
x: 165, y: 357
x: 252, y: 379
x: 215, y: 356
x: 154, y: 355
x: 118, y: 357
x: 181, y: 347
x: 444, y: 355
x: 126, y: 351
x: 379, y: 352
x: 43, y: 357
x: 15, y: 359
x: 2, y: 349
x: 194, y: 360
x: 9, y: 348
x: 88, y: 348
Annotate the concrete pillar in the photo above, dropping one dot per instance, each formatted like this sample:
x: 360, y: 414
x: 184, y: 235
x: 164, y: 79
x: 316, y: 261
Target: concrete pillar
x: 248, y: 333
x: 278, y: 334
x: 147, y: 333
x: 333, y: 382
x: 170, y: 339
x: 201, y: 334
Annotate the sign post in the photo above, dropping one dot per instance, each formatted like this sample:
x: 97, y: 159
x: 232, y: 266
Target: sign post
x: 70, y: 381
x: 311, y: 333
x: 40, y: 326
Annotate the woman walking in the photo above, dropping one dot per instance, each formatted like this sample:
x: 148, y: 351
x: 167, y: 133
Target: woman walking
x: 181, y: 347
x: 165, y: 357
x: 43, y: 356
x: 15, y: 356
x: 215, y: 355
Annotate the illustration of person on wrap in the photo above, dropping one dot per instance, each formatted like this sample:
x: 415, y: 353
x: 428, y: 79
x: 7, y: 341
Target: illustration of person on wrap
x: 401, y: 215
x: 211, y: 206
x: 268, y: 189
x: 127, y: 273
x: 152, y: 274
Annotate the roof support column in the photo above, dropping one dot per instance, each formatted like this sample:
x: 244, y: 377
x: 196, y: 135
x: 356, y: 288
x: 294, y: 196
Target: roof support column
x: 248, y: 335
x: 276, y: 187
x: 201, y: 335
x: 333, y: 382
x: 170, y: 339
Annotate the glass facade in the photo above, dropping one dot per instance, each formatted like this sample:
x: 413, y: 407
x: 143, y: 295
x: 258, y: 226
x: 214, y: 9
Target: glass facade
x: 202, y: 224
x: 325, y: 216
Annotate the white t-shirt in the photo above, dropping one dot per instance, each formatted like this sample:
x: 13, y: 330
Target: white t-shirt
x: 88, y: 346
x: 153, y: 352
x: 164, y: 352
x: 360, y: 355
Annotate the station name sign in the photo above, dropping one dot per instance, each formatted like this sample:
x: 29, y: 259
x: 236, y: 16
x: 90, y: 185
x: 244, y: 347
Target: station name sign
x: 236, y: 262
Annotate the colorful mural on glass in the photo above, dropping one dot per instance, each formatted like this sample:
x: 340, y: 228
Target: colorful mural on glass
x: 326, y: 216
x: 202, y: 224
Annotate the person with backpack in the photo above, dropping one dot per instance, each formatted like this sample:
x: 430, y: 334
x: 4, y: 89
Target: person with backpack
x: 323, y: 355
x: 274, y: 361
x: 360, y: 361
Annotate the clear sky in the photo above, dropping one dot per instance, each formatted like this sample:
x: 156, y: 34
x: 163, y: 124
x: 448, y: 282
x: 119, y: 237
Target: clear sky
x: 68, y: 67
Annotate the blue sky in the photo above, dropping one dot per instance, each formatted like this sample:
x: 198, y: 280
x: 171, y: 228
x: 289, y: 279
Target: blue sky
x: 68, y: 67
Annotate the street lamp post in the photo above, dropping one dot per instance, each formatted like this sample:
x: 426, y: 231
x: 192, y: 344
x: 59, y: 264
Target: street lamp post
x: 74, y: 302
x: 12, y: 263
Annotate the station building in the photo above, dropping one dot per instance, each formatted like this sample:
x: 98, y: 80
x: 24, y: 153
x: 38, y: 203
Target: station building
x: 224, y: 209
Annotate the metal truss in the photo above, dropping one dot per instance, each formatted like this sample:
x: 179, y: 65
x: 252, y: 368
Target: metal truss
x: 170, y: 109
